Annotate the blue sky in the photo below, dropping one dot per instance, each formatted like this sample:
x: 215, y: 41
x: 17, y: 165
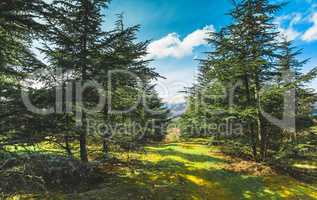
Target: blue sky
x: 177, y: 28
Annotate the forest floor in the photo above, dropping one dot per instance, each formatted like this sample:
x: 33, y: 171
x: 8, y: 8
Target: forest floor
x: 190, y: 171
x: 194, y: 170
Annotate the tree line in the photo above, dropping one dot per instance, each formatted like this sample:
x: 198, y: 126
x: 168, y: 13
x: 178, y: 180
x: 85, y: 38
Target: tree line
x: 76, y: 50
x: 252, y: 76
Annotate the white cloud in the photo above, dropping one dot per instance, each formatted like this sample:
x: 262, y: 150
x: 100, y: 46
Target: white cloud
x: 176, y: 81
x: 296, y: 18
x: 288, y: 30
x: 289, y: 33
x: 311, y: 33
x: 172, y: 46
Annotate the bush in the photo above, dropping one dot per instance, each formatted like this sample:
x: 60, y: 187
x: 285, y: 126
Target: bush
x: 58, y: 170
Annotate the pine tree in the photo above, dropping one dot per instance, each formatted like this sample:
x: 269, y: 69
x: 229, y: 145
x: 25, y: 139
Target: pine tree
x: 152, y: 115
x: 254, y: 43
x: 289, y: 77
x: 18, y: 27
x: 248, y: 52
x: 206, y: 99
x: 77, y: 45
x: 75, y: 42
x: 128, y: 56
x: 288, y: 63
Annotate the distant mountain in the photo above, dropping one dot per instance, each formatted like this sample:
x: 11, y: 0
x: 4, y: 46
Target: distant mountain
x: 177, y: 109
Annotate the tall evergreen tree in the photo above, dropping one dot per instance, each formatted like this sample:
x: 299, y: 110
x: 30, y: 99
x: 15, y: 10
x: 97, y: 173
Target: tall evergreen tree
x: 18, y: 27
x: 288, y: 63
x: 77, y: 45
x: 75, y: 42
x: 130, y: 91
x: 254, y: 36
x: 246, y: 59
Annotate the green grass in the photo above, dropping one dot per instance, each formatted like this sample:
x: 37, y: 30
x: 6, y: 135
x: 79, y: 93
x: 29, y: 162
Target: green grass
x: 192, y: 171
x: 188, y: 171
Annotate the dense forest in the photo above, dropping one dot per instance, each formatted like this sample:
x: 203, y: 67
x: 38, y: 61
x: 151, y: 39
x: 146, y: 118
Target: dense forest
x: 81, y: 118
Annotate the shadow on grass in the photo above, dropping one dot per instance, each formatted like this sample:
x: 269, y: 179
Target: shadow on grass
x: 171, y: 178
x: 188, y: 172
x: 183, y: 173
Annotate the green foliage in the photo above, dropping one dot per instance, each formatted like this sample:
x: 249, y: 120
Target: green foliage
x: 18, y: 28
x: 243, y: 76
x: 73, y: 43
x: 34, y: 173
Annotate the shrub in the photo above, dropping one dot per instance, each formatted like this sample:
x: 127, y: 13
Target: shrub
x: 34, y: 172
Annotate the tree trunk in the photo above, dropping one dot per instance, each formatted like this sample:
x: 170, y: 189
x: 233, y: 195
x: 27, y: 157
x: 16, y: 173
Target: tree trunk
x: 258, y: 120
x: 252, y: 128
x: 83, y: 134
x: 105, y: 147
x: 263, y: 146
x: 83, y: 141
x: 83, y: 148
x: 254, y: 144
x: 67, y: 147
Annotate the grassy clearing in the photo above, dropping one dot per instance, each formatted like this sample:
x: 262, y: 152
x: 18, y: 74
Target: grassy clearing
x: 193, y: 171
x: 187, y: 171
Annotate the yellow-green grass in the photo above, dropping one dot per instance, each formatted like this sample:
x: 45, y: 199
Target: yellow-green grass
x: 189, y: 171
x: 193, y: 171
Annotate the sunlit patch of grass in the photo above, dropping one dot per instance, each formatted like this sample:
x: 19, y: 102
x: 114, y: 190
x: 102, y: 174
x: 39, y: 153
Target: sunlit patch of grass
x: 305, y: 166
x: 43, y: 147
x: 193, y: 171
x: 197, y: 180
x: 289, y: 188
